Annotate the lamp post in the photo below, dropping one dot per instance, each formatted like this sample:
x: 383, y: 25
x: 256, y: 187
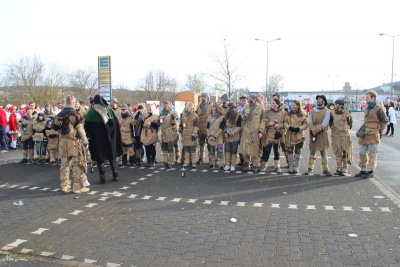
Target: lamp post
x: 266, y: 81
x: 391, y: 81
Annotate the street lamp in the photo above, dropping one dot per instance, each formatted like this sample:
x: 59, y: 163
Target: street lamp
x: 391, y: 81
x: 266, y: 81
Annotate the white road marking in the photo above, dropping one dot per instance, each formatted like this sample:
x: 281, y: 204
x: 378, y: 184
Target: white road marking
x: 348, y: 208
x: 134, y: 183
x: 93, y: 192
x: 329, y: 207
x: 103, y: 198
x: 40, y: 231
x: 366, y: 209
x: 191, y: 200
x: 176, y: 199
x: 46, y: 253
x: 293, y: 206
x: 310, y: 207
x: 26, y: 250
x: 258, y: 205
x: 147, y: 197
x: 89, y: 260
x: 132, y: 196
x: 15, y: 244
x: 224, y: 203
x: 208, y: 202
x: 67, y: 257
x: 241, y: 204
x: 76, y: 212
x: 385, y: 209
x: 59, y: 221
x: 23, y: 187
x: 44, y: 189
x: 161, y: 198
x: 276, y: 206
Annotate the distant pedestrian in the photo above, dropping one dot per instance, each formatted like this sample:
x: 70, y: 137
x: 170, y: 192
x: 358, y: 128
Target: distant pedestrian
x: 3, y: 131
x: 375, y: 121
x: 13, y: 126
x: 102, y: 128
x: 392, y: 120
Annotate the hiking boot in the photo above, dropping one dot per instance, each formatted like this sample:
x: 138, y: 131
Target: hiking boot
x: 360, y: 174
x: 327, y: 173
x: 309, y: 172
x: 368, y: 174
x: 200, y: 161
x: 23, y: 161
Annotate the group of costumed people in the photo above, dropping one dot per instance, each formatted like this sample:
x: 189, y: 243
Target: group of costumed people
x: 109, y: 133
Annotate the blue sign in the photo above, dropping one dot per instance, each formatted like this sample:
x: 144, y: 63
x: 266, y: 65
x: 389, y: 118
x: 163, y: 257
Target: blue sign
x: 104, y: 62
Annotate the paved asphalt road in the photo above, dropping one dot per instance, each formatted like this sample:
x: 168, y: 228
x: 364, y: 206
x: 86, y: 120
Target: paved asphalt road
x: 154, y: 217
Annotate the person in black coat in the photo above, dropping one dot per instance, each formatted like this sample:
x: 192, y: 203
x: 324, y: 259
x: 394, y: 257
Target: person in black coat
x: 102, y: 129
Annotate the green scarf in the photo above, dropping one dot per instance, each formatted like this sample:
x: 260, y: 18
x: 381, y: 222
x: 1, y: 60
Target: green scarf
x: 94, y: 116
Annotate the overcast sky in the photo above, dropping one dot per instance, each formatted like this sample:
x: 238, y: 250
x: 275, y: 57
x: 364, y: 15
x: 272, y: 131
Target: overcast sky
x: 339, y: 38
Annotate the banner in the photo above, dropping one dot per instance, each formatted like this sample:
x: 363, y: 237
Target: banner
x: 104, y: 66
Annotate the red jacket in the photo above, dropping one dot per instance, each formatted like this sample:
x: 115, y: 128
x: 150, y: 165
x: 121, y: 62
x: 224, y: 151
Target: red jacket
x: 3, y: 118
x: 13, y: 122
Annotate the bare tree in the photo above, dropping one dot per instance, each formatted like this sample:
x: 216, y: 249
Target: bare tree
x: 156, y: 85
x: 195, y: 83
x: 84, y: 83
x: 274, y: 85
x: 229, y: 73
x: 26, y: 75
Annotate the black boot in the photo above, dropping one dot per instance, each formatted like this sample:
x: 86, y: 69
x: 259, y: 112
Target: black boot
x: 102, y: 172
x: 114, y: 169
x: 132, y: 160
x: 124, y: 160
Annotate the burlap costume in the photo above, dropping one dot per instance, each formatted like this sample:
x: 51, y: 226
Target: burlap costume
x: 72, y: 137
x: 232, y: 138
x: 274, y: 136
x: 52, y: 144
x: 252, y: 125
x: 374, y: 124
x: 126, y: 127
x: 203, y: 111
x: 169, y: 127
x: 25, y: 125
x: 138, y: 125
x: 340, y: 124
x: 189, y: 129
x: 39, y: 138
x: 215, y: 137
x: 294, y: 140
x: 319, y: 138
